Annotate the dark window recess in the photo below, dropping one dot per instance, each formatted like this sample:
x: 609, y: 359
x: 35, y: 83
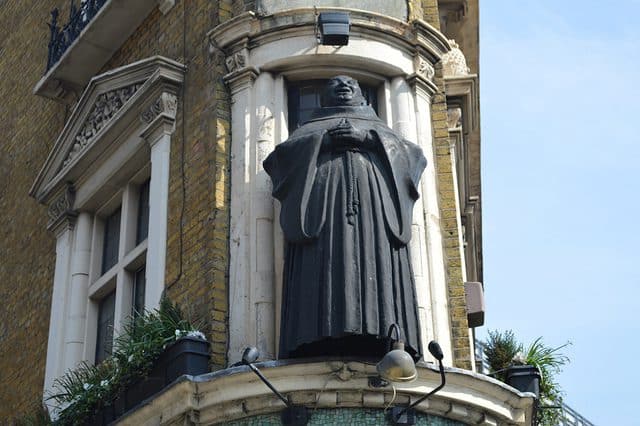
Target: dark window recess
x: 142, y: 229
x: 111, y: 241
x: 139, y: 286
x: 60, y: 38
x: 104, y: 339
x: 304, y: 96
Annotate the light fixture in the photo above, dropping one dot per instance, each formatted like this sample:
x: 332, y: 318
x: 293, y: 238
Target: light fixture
x: 397, y: 365
x: 293, y: 415
x: 406, y: 415
x: 334, y: 28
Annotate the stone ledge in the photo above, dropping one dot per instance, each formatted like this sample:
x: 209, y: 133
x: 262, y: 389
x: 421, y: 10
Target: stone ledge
x: 236, y: 393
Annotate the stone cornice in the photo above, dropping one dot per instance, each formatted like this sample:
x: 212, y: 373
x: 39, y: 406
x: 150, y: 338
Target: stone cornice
x: 468, y: 397
x: 111, y: 105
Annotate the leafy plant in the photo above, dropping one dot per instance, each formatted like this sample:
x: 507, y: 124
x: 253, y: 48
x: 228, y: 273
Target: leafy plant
x: 81, y: 392
x: 502, y: 351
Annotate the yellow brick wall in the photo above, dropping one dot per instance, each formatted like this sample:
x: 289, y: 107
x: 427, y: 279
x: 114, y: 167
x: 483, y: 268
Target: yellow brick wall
x: 430, y: 10
x: 449, y: 226
x: 197, y: 252
x: 28, y: 128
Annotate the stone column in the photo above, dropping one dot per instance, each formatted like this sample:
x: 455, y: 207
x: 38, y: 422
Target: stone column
x: 242, y: 325
x: 404, y: 122
x: 261, y: 221
x: 160, y: 117
x: 78, y: 290
x: 62, y: 224
x: 439, y: 327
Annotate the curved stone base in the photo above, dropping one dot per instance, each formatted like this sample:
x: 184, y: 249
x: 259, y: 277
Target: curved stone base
x: 236, y: 393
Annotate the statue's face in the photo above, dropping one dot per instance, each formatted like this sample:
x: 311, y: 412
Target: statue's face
x: 342, y: 91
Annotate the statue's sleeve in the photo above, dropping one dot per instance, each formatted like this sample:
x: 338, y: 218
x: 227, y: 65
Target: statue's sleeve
x: 407, y: 162
x: 292, y: 168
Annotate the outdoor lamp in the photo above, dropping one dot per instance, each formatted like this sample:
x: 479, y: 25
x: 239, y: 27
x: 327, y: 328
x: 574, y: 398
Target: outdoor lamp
x: 406, y: 415
x: 334, y: 28
x: 397, y: 365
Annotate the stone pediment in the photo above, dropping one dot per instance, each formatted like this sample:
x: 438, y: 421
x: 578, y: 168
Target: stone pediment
x: 116, y: 105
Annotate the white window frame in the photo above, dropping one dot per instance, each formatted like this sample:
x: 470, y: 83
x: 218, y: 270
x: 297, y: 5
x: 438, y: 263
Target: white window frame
x: 82, y: 181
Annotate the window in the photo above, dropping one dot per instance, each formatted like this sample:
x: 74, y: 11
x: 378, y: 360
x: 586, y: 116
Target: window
x: 304, y: 97
x: 139, y: 284
x: 107, y: 196
x: 142, y: 229
x: 111, y: 241
x: 104, y: 338
x: 118, y: 291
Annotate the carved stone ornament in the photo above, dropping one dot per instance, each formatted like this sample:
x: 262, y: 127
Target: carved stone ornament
x: 61, y: 205
x: 454, y: 63
x: 105, y: 107
x: 166, y: 103
x: 454, y: 116
x: 236, y: 61
x: 423, y: 68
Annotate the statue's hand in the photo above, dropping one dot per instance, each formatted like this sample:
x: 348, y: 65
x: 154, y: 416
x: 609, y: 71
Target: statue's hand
x: 345, y: 134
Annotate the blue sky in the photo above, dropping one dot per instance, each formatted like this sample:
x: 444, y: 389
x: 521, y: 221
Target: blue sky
x: 561, y: 198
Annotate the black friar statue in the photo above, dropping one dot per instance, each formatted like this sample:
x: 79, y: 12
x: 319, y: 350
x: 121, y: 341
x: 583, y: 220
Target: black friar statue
x: 347, y: 184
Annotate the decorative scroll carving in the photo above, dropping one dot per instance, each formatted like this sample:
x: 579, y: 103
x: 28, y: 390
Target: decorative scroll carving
x: 423, y: 68
x: 166, y: 103
x: 265, y: 127
x: 236, y: 61
x: 61, y: 206
x: 454, y: 116
x: 105, y: 107
x: 454, y: 62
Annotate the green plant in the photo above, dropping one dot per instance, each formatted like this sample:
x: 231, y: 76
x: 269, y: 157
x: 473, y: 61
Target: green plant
x: 81, y: 392
x: 502, y: 351
x: 549, y: 362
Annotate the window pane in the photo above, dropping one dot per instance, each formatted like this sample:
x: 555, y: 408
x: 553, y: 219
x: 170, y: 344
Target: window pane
x: 104, y: 339
x: 142, y: 230
x: 111, y: 241
x: 139, y: 287
x: 304, y: 98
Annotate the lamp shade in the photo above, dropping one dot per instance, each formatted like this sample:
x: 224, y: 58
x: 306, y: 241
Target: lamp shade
x: 397, y: 365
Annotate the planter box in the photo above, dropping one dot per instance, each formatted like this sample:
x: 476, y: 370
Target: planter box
x: 189, y: 355
x: 525, y: 378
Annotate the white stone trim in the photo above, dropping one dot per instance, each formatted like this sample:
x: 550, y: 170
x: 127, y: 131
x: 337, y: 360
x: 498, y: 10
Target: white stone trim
x: 57, y: 319
x: 133, y: 145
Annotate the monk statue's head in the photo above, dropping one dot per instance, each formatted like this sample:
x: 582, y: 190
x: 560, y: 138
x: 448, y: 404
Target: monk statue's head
x: 342, y: 90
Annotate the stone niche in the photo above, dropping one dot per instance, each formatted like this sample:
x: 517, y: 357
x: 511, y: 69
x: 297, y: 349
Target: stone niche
x: 393, y: 8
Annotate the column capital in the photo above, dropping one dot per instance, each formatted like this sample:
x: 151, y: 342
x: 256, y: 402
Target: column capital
x: 160, y: 117
x: 61, y: 214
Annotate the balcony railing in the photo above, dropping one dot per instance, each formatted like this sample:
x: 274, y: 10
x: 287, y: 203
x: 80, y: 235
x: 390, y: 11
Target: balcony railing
x: 568, y: 417
x: 62, y: 37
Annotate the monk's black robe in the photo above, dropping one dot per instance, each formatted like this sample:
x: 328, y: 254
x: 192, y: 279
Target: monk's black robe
x: 346, y: 214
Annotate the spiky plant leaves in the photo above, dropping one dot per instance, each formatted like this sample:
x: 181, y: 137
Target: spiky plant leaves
x: 500, y: 349
x: 87, y: 388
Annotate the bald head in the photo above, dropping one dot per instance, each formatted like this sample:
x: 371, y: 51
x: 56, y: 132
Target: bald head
x: 342, y: 90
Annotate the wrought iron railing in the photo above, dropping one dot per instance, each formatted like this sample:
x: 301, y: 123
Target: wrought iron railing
x: 62, y: 37
x: 568, y: 417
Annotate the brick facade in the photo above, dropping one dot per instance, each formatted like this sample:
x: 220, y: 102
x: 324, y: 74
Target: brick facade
x: 199, y: 186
